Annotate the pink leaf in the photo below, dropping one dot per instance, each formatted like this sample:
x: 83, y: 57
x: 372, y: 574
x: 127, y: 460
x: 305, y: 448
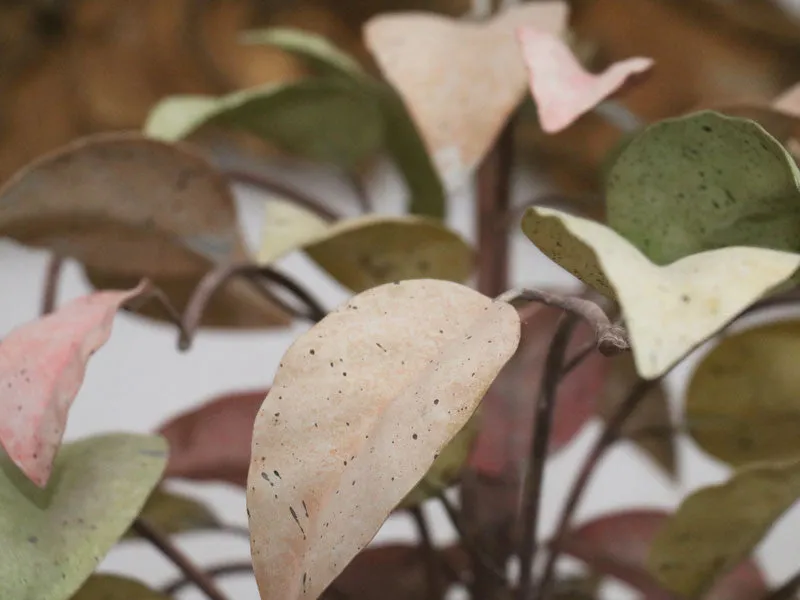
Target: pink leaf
x: 42, y: 366
x: 617, y: 544
x: 561, y: 88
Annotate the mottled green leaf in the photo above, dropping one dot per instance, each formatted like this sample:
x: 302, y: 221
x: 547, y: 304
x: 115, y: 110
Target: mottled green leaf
x: 173, y: 513
x: 668, y: 310
x: 53, y: 538
x: 321, y: 119
x: 702, y: 182
x: 743, y: 401
x: 114, y: 587
x: 718, y: 526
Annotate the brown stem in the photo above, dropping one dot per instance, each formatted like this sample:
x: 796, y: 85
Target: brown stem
x: 788, y: 591
x: 607, y: 437
x: 178, y: 584
x: 542, y: 426
x: 52, y: 277
x: 178, y: 558
x: 432, y: 563
x: 286, y: 192
x: 151, y: 293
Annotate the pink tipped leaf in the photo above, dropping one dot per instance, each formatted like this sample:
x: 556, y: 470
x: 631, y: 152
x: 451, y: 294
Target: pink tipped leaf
x: 561, y: 88
x: 42, y: 367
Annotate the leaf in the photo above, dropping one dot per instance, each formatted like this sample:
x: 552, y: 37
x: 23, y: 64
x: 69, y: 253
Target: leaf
x: 212, y: 441
x: 742, y: 401
x: 42, y: 366
x: 702, y: 182
x: 172, y: 513
x: 696, y: 296
x: 130, y: 207
x: 358, y: 411
x: 561, y: 88
x: 320, y: 119
x: 480, y: 78
x: 650, y: 426
x: 114, y: 587
x: 53, y: 538
x: 718, y: 526
x: 371, y: 250
x: 617, y: 544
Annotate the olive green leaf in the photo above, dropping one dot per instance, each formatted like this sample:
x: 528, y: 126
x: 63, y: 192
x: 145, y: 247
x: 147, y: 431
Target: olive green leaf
x: 321, y: 119
x: 743, y: 401
x: 401, y: 137
x: 668, y: 310
x: 367, y: 251
x: 701, y: 182
x: 173, y: 513
x: 53, y: 538
x: 718, y: 526
x: 114, y: 587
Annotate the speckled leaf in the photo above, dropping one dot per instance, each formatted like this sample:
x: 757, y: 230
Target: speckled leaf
x: 696, y: 296
x: 718, y: 526
x: 743, y: 401
x: 367, y: 251
x: 54, y: 538
x: 479, y: 74
x: 650, y: 426
x: 212, y: 441
x: 702, y: 182
x: 617, y: 544
x: 321, y: 119
x: 359, y: 409
x: 42, y: 366
x: 173, y: 513
x: 114, y: 587
x: 561, y: 88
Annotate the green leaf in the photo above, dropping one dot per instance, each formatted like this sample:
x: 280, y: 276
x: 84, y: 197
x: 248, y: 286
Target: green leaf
x: 54, y: 538
x: 718, y: 526
x: 113, y: 587
x: 702, y: 182
x: 320, y: 119
x: 668, y: 310
x: 368, y: 251
x: 743, y: 402
x: 173, y: 513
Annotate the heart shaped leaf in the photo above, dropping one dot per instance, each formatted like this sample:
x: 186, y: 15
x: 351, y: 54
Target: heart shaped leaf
x: 113, y: 587
x: 716, y: 527
x: 480, y: 77
x: 42, y: 365
x: 360, y: 408
x: 367, y: 251
x: 172, y: 513
x: 212, y: 441
x: 742, y: 402
x: 696, y: 296
x: 561, y: 88
x: 702, y: 182
x: 53, y: 538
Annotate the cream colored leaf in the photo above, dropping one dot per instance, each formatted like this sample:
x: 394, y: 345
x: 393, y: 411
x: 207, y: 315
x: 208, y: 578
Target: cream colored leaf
x: 359, y: 409
x: 459, y: 80
x: 367, y: 251
x: 669, y: 310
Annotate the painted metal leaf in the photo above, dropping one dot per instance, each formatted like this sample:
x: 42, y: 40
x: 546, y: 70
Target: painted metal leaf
x: 562, y: 90
x: 212, y: 441
x: 360, y: 408
x: 697, y: 295
x: 702, y: 182
x: 114, y: 587
x: 171, y: 513
x: 54, y: 538
x: 42, y: 366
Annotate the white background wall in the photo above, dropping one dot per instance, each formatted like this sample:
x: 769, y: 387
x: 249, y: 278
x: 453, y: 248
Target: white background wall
x: 139, y: 379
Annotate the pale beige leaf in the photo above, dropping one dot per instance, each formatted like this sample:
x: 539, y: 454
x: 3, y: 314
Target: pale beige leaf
x: 696, y: 296
x: 459, y: 80
x: 288, y: 227
x: 359, y: 409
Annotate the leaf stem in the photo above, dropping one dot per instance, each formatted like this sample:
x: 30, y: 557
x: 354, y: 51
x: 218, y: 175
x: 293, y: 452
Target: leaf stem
x: 430, y: 555
x: 542, y: 426
x: 52, y: 278
x: 180, y: 560
x: 175, y: 586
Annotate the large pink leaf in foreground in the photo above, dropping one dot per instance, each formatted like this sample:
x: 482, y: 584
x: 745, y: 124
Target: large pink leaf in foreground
x: 42, y: 366
x: 561, y: 88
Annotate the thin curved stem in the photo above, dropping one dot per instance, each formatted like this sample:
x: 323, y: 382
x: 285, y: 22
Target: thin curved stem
x: 431, y: 556
x: 52, y: 278
x: 175, y: 586
x: 153, y: 293
x: 542, y: 427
